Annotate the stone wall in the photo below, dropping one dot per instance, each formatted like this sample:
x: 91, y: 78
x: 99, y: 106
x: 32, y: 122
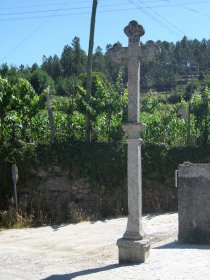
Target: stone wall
x: 53, y: 188
x: 194, y: 202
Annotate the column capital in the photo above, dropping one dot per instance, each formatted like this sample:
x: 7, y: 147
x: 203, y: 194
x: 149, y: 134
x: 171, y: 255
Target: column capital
x: 133, y: 129
x: 134, y: 141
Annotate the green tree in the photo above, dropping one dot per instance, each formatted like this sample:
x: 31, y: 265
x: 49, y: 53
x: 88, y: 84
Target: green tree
x: 67, y: 61
x: 52, y: 66
x: 40, y: 80
x: 5, y: 106
x: 79, y: 57
x: 19, y: 104
x: 99, y: 62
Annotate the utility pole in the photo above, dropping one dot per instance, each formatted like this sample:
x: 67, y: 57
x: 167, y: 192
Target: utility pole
x: 89, y: 68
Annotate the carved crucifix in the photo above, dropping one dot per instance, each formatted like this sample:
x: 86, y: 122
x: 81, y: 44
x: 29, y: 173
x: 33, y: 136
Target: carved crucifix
x: 133, y: 247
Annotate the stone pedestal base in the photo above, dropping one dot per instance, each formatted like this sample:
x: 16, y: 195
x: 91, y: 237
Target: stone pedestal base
x: 133, y: 251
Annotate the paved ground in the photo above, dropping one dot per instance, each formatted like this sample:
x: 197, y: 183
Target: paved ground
x: 89, y: 251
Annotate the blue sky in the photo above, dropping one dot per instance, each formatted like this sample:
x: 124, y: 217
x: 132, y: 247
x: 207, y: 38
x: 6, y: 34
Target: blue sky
x: 31, y: 29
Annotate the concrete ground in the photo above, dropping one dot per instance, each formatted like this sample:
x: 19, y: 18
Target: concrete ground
x: 88, y: 251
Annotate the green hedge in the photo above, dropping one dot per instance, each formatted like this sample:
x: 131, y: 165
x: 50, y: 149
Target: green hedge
x: 104, y: 164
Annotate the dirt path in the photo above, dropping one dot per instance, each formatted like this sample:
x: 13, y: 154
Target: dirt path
x: 89, y: 251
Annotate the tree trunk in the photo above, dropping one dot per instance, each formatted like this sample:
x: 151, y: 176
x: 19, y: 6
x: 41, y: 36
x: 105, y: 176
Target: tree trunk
x: 89, y: 69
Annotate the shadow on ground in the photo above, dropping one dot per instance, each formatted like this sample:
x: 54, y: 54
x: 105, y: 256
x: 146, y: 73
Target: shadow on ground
x: 85, y: 272
x: 179, y: 245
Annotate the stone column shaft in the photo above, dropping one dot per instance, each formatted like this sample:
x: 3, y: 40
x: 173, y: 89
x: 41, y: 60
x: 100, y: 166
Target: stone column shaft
x: 133, y: 85
x: 134, y: 229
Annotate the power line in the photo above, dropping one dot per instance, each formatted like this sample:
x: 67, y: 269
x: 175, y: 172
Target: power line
x: 68, y: 14
x: 145, y: 11
x: 54, y: 10
x: 43, y: 11
x: 40, y: 5
x: 195, y: 11
x: 33, y: 32
x: 30, y: 6
x: 186, y: 3
x: 56, y: 14
x: 101, y: 6
x: 58, y: 10
x: 78, y: 1
x: 163, y: 18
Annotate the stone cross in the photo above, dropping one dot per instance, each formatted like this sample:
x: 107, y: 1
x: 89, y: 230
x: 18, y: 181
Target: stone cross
x: 133, y: 248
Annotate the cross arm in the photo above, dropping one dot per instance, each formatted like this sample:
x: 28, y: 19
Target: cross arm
x: 150, y: 51
x: 118, y: 53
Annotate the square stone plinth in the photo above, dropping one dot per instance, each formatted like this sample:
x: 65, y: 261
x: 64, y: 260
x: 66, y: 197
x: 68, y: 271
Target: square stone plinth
x: 194, y: 202
x: 133, y: 251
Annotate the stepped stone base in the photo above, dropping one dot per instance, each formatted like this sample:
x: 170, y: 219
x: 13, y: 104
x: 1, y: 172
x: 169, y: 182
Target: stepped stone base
x: 133, y: 251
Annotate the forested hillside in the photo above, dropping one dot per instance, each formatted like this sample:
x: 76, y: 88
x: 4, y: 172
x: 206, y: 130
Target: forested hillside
x: 178, y: 62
